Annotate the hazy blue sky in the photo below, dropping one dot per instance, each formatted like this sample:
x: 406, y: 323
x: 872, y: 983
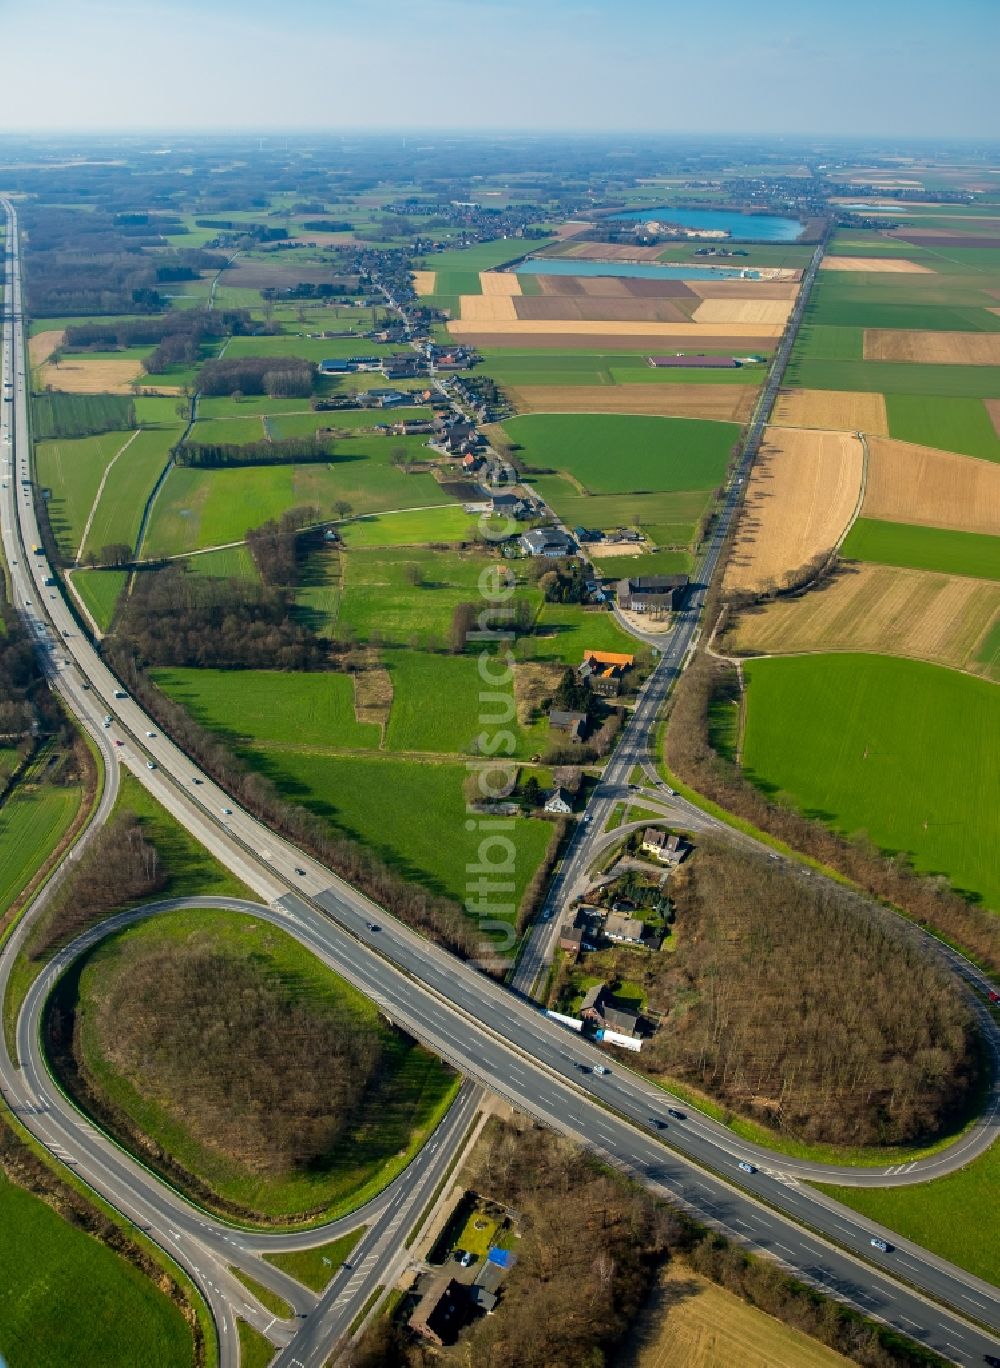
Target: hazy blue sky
x: 909, y: 67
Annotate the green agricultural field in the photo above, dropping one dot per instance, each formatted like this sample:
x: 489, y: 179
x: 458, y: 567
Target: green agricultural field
x: 200, y: 508
x: 413, y: 815
x: 817, y: 342
x: 228, y: 430
x: 404, y: 1100
x: 946, y: 1216
x: 667, y: 519
x: 924, y: 548
x: 859, y: 740
x: 950, y: 424
x: 100, y: 591
x: 894, y: 377
x: 989, y: 653
x: 33, y: 821
x: 544, y: 366
x: 230, y: 562
x: 250, y: 406
x: 311, y: 348
x: 65, y: 1298
x: 131, y: 480
x: 79, y: 415
x: 565, y: 630
x: 72, y: 469
x: 416, y: 527
x: 254, y: 706
x: 616, y: 454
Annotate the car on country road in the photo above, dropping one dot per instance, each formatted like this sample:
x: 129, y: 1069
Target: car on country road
x: 747, y: 1168
x: 227, y: 812
x: 151, y: 733
x: 150, y: 765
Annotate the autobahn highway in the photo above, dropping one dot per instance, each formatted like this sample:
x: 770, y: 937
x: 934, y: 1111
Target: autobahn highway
x: 490, y: 1034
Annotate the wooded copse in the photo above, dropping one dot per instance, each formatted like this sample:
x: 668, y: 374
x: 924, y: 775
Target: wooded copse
x: 285, y: 451
x: 176, y: 618
x: 795, y: 1000
x: 274, y: 545
x: 690, y: 755
x: 280, y: 377
x: 250, y: 1065
x: 592, y: 1245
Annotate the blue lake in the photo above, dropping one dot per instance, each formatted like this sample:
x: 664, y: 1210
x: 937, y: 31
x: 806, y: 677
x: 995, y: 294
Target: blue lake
x: 567, y: 267
x: 759, y: 227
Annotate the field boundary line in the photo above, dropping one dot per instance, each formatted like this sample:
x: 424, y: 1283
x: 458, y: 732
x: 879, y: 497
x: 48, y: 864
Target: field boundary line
x: 100, y: 490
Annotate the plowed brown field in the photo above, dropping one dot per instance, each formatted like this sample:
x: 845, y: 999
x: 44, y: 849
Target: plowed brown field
x: 833, y: 410
x: 802, y: 494
x: 935, y: 348
x: 593, y: 308
x: 615, y: 287
x: 883, y: 265
x: 724, y: 403
x: 940, y: 618
x: 917, y: 484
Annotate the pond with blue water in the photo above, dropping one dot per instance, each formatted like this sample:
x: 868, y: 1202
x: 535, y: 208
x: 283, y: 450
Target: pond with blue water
x: 758, y: 227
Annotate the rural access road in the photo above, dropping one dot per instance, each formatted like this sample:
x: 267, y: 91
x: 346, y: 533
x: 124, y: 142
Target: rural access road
x: 480, y: 1027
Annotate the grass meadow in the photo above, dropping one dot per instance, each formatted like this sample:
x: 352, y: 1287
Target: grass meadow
x: 947, y: 1216
x: 72, y: 468
x: 100, y: 591
x: 924, y: 548
x: 415, y: 527
x: 32, y: 823
x: 203, y: 508
x: 667, y: 519
x: 66, y: 1298
x: 893, y: 377
x: 836, y: 735
x: 131, y: 480
x: 406, y: 1100
x: 618, y: 454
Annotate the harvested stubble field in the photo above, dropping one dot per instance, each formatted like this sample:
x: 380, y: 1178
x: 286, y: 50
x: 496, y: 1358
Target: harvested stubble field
x: 604, y: 251
x: 915, y: 484
x: 43, y: 344
x: 487, y: 308
x: 772, y: 312
x: 802, y: 494
x: 499, y: 283
x: 881, y: 265
x: 690, y: 1323
x: 83, y: 375
x: 614, y: 287
x: 785, y: 288
x: 723, y: 403
x: 424, y: 282
x: 832, y: 410
x: 884, y: 609
x: 932, y: 348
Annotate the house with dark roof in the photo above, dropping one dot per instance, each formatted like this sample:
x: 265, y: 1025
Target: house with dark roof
x: 574, y: 724
x: 665, y: 846
x: 598, y: 1011
x: 654, y: 594
x: 442, y: 1311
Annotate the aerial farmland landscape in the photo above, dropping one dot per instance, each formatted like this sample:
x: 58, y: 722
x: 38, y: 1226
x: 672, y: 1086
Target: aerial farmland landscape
x: 500, y: 687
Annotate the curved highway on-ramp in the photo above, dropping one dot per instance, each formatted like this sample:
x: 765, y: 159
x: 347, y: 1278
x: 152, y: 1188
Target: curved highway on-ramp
x: 483, y: 1029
